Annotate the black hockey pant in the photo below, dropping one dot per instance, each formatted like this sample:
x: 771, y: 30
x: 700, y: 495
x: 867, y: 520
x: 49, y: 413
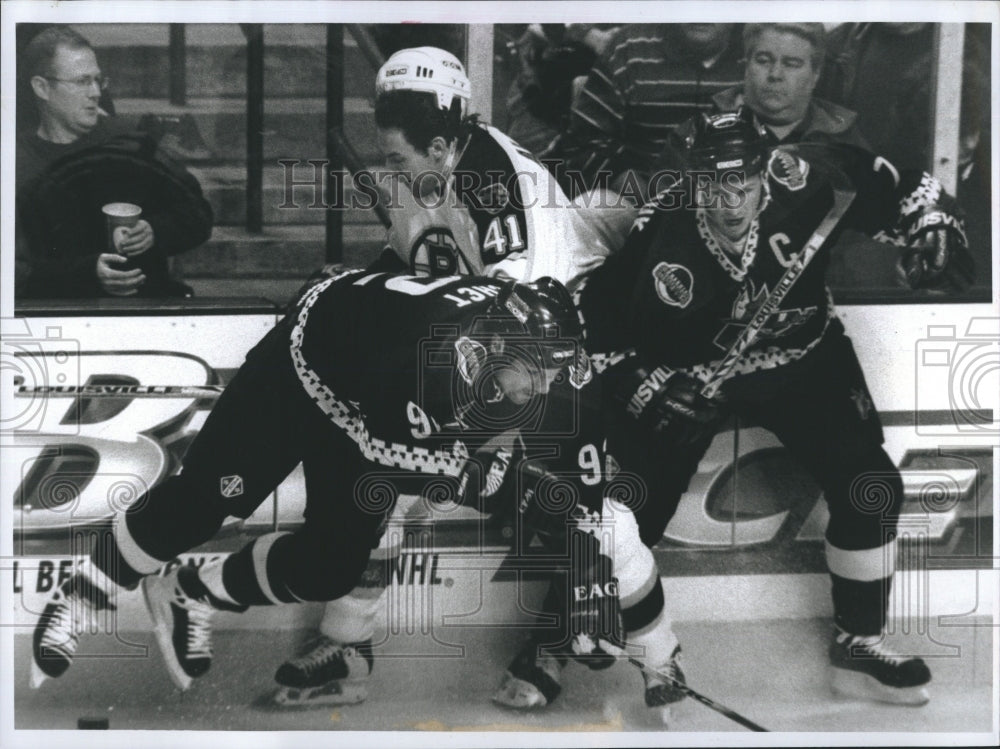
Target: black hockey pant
x: 824, y: 416
x: 260, y: 429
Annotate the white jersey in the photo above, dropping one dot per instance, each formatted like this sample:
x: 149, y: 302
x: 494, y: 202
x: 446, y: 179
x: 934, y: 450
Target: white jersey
x: 503, y: 215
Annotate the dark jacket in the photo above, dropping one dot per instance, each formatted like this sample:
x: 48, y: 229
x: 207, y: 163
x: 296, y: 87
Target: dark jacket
x: 60, y: 230
x: 824, y: 121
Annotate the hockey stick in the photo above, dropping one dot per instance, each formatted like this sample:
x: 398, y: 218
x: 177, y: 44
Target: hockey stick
x: 354, y: 165
x: 706, y: 701
x: 843, y: 196
x: 120, y: 391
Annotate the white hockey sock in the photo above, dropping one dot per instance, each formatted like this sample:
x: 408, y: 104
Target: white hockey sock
x: 657, y: 639
x: 211, y: 577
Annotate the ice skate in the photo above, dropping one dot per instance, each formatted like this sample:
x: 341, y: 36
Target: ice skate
x: 325, y: 673
x: 182, y: 609
x: 531, y: 681
x: 72, y: 610
x: 662, y: 693
x: 863, y: 667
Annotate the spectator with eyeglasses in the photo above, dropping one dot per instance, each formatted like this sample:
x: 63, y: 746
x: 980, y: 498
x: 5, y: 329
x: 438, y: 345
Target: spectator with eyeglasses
x: 79, y: 158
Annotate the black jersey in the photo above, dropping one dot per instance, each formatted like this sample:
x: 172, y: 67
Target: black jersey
x: 390, y: 360
x: 675, y: 297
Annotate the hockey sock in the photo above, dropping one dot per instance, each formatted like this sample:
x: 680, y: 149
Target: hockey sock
x: 648, y: 626
x: 861, y: 582
x: 119, y: 556
x: 245, y: 574
x: 211, y: 578
x: 352, y: 617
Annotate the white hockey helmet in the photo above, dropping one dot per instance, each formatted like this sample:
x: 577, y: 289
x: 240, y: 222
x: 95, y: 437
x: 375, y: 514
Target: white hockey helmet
x: 426, y: 69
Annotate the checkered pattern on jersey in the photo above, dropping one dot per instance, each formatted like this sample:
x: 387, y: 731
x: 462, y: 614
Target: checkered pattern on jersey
x: 396, y: 455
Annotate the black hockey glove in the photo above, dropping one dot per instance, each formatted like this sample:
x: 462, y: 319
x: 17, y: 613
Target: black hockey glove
x: 937, y: 254
x: 669, y: 403
x: 485, y: 480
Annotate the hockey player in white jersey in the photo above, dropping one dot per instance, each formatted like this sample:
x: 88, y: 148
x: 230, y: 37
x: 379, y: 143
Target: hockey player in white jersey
x: 466, y: 200
x: 478, y: 202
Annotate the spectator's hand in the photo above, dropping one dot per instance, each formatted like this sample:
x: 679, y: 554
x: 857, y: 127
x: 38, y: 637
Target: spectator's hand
x: 118, y: 282
x: 136, y: 240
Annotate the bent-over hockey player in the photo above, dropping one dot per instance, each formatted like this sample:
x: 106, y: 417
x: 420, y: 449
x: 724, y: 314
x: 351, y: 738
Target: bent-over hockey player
x: 457, y: 361
x: 470, y: 201
x: 717, y: 304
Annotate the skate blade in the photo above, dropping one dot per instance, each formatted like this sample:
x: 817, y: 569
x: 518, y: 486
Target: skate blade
x: 38, y: 676
x: 518, y: 694
x: 857, y: 685
x: 339, y: 693
x: 160, y: 612
x: 666, y: 715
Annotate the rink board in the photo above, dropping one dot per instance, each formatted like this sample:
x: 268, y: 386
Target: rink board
x: 431, y: 593
x: 931, y: 369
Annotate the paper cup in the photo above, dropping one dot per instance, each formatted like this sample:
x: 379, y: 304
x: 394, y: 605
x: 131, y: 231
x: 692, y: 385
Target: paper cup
x: 119, y: 217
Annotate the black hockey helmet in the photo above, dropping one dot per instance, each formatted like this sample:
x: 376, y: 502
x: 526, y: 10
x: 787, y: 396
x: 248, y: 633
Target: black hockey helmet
x: 535, y: 323
x: 541, y: 313
x: 725, y: 141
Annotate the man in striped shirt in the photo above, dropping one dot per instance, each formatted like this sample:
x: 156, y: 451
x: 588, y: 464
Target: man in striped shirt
x: 650, y: 79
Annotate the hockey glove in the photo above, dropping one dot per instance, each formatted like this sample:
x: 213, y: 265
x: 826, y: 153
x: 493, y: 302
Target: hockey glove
x: 937, y: 255
x: 669, y: 403
x: 484, y: 482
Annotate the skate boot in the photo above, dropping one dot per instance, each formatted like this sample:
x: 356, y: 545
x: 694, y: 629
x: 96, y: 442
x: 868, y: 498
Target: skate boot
x: 863, y: 667
x: 325, y: 673
x: 71, y: 611
x: 182, y: 609
x: 660, y: 691
x: 531, y: 681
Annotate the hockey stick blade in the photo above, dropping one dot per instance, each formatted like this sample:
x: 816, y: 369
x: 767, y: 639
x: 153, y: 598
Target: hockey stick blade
x: 843, y: 196
x: 706, y: 701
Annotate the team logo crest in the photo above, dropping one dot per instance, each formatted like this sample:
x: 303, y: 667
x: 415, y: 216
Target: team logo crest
x: 748, y: 301
x: 436, y: 253
x: 788, y: 170
x: 471, y: 356
x: 493, y: 198
x: 674, y: 284
x: 231, y: 486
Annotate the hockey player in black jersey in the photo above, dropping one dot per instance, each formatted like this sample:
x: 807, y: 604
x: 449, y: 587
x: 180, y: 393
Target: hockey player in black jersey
x: 717, y: 305
x: 345, y: 385
x: 377, y: 380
